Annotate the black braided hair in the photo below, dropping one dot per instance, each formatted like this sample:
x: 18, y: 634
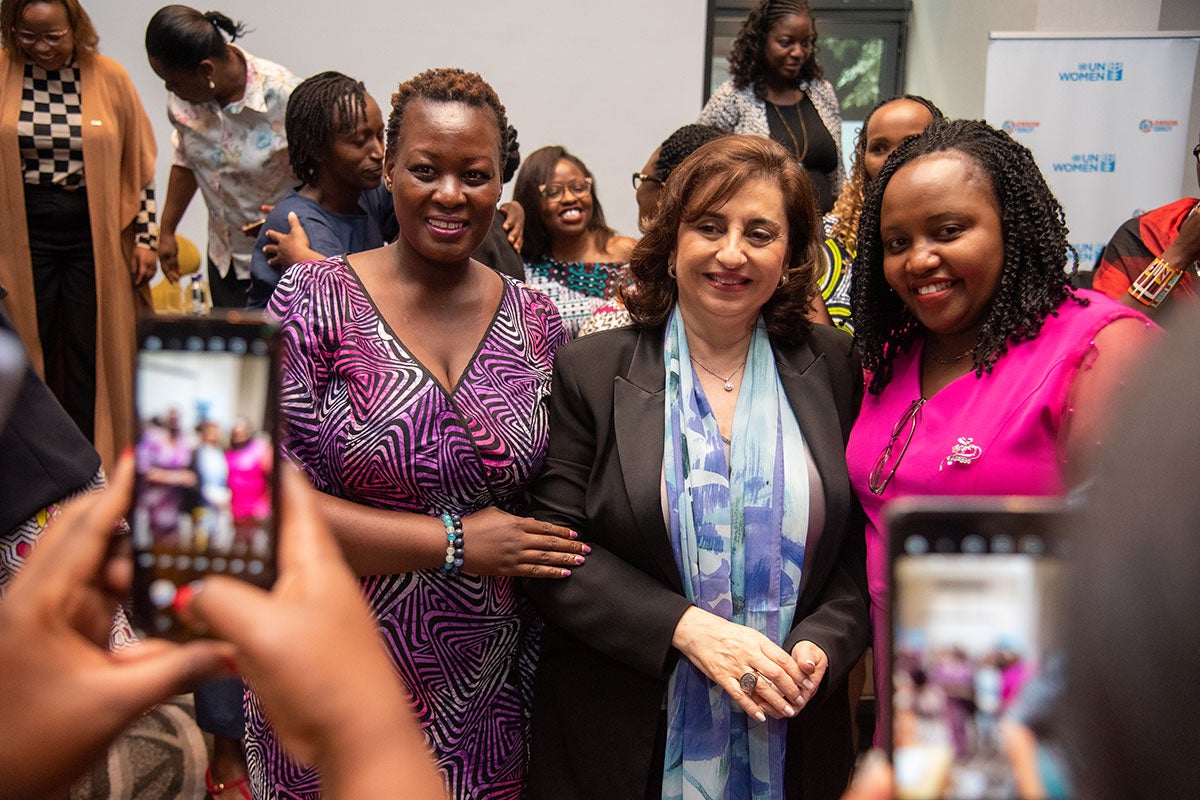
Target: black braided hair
x: 1034, y: 279
x: 448, y: 85
x: 745, y: 57
x: 321, y: 107
x: 681, y: 144
x: 181, y: 37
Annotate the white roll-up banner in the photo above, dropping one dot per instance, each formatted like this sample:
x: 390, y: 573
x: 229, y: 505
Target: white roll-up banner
x: 1106, y: 119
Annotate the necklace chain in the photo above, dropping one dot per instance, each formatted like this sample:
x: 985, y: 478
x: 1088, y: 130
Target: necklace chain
x: 728, y: 385
x: 803, y: 131
x: 953, y: 359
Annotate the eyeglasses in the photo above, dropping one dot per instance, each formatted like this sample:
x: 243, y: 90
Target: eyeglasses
x: 579, y: 188
x: 640, y: 177
x: 876, y: 481
x: 1196, y: 152
x: 51, y: 38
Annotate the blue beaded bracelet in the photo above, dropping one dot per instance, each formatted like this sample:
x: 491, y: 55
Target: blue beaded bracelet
x: 454, y: 544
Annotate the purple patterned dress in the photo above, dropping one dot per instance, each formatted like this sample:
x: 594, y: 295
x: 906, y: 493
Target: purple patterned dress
x: 369, y: 424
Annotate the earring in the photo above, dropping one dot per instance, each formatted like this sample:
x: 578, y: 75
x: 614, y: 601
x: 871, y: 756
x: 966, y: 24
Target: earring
x: 783, y: 279
x: 671, y: 270
x: 211, y: 84
x: 387, y: 182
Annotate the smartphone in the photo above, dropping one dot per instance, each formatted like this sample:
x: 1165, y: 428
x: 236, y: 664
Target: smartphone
x: 977, y: 654
x: 206, y: 489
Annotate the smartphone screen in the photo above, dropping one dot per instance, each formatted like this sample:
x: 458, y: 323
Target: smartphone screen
x: 205, y: 492
x: 977, y: 654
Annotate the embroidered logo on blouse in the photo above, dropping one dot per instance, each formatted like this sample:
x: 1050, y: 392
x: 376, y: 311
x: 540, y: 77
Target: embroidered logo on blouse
x: 964, y: 452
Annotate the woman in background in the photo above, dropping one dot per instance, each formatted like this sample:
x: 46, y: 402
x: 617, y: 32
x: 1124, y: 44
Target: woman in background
x: 887, y: 124
x: 228, y: 109
x: 570, y: 252
x: 987, y: 374
x: 78, y: 248
x: 778, y: 90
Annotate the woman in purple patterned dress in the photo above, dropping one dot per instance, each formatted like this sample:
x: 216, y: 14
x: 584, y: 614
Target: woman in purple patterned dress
x: 415, y: 387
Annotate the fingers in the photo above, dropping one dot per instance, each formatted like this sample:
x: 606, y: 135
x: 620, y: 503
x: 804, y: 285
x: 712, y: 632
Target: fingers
x: 152, y: 671
x: 294, y: 222
x: 813, y: 663
x: 304, y: 538
x: 73, y: 549
x: 224, y: 607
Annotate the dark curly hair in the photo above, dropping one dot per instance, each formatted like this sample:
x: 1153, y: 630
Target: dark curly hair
x: 708, y: 178
x: 849, y: 202
x: 681, y: 144
x: 537, y: 171
x: 1033, y: 282
x: 746, y: 65
x: 319, y: 108
x: 181, y: 37
x: 447, y: 85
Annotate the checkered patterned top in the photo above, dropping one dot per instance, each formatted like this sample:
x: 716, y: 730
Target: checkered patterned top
x: 50, y: 130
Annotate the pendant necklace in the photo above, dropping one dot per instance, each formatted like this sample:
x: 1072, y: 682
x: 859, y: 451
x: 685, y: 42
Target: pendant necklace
x: 803, y: 132
x: 727, y: 381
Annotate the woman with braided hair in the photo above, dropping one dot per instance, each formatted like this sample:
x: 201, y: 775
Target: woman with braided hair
x: 889, y: 123
x: 777, y: 89
x: 987, y: 374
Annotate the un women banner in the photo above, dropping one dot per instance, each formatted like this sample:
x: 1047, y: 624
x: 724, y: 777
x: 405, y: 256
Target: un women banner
x: 1106, y: 119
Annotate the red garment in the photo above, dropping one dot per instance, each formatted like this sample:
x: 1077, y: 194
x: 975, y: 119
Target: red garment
x: 1138, y: 242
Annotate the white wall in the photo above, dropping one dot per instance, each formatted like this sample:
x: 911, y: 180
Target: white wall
x: 608, y: 80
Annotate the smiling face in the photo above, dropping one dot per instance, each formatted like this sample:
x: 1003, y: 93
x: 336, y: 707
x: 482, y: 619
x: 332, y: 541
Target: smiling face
x: 943, y: 245
x: 355, y: 157
x: 569, y: 214
x: 43, y: 33
x: 890, y: 125
x: 788, y: 47
x: 445, y: 173
x: 729, y: 261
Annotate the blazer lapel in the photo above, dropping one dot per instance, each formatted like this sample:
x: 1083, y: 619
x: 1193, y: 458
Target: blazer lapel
x: 805, y: 380
x: 639, y: 420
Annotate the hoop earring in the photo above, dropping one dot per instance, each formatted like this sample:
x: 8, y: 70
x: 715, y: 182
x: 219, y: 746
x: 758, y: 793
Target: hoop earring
x: 670, y: 270
x: 783, y: 279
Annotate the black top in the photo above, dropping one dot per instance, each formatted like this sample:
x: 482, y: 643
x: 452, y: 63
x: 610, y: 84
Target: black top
x: 43, y: 456
x: 800, y: 130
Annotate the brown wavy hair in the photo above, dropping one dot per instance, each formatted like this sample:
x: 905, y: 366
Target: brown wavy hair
x: 82, y: 31
x: 706, y: 179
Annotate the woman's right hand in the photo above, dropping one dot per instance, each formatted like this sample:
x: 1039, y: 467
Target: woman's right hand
x: 168, y: 254
x: 498, y: 543
x: 725, y: 651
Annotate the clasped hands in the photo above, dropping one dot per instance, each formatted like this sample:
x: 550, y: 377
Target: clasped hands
x: 724, y: 651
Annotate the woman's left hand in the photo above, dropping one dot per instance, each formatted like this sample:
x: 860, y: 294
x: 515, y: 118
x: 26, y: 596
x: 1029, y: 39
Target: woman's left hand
x: 725, y: 651
x: 813, y: 663
x: 142, y: 265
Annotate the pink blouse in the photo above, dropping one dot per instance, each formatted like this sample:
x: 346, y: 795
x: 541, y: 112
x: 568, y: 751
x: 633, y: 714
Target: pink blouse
x: 1000, y: 434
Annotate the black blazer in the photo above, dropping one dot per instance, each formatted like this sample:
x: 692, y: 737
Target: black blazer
x: 607, y: 655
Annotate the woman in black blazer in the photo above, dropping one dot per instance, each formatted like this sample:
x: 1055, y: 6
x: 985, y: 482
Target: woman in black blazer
x: 705, y: 644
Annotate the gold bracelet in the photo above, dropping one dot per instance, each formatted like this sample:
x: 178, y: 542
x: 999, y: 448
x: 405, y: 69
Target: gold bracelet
x: 1155, y: 283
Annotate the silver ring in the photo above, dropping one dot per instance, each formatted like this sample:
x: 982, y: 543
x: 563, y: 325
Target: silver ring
x: 748, y: 682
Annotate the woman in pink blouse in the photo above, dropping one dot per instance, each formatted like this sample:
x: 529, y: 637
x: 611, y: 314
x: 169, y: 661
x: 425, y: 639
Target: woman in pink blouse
x: 987, y: 374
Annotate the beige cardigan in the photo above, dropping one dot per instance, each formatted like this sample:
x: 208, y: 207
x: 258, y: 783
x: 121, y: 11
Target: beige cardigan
x: 119, y: 161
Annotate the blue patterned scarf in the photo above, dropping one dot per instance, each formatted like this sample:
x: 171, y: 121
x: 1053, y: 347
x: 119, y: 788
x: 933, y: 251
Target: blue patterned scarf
x: 737, y: 559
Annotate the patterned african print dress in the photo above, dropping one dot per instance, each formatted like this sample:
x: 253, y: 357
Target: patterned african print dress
x: 369, y: 424
x: 578, y: 288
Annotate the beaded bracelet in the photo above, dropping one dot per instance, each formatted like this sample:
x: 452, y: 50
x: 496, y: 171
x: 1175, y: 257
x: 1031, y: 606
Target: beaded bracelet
x: 1155, y: 283
x: 454, y: 546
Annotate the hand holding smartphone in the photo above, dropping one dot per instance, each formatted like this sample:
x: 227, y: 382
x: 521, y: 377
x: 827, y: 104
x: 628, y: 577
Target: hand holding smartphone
x: 976, y: 648
x: 205, y: 494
